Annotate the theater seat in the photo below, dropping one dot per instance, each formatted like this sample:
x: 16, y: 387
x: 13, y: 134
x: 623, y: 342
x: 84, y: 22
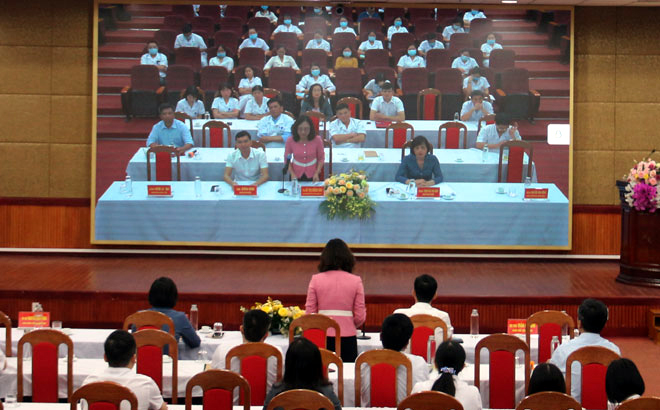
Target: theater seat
x: 142, y: 97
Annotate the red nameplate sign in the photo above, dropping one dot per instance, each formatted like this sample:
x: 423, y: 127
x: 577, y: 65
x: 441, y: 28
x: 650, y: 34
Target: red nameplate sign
x: 536, y: 193
x: 312, y: 191
x: 383, y: 124
x: 159, y: 190
x: 428, y: 192
x: 245, y: 190
x: 517, y: 327
x: 33, y: 319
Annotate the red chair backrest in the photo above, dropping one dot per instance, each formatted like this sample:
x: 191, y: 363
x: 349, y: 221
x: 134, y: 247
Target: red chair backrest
x: 189, y: 56
x: 227, y: 38
x: 288, y: 40
x: 383, y: 385
x: 515, y: 81
x: 546, y: 332
x: 165, y: 38
x: 515, y: 164
x: 400, y: 42
x: 150, y: 363
x: 312, y: 24
x: 453, y: 138
x: 399, y: 137
x: 414, y: 80
x: 371, y: 24
x: 217, y: 399
x: 44, y: 373
x: 315, y: 120
x: 184, y: 10
x: 593, y: 386
x: 253, y: 368
x: 102, y: 405
x: 145, y: 78
x: 353, y: 107
x: 174, y: 22
x: 180, y: 77
x: 438, y: 58
x: 316, y: 336
x: 449, y: 81
x: 502, y: 373
x: 430, y: 110
x: 216, y: 139
x: 501, y: 59
x: 252, y: 56
x: 376, y: 58
x: 282, y: 78
x: 348, y: 81
x: 163, y: 166
x: 212, y: 76
x: 314, y: 56
x: 419, y: 341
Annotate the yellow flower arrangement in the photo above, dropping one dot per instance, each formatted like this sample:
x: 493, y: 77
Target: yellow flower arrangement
x: 346, y: 196
x: 280, y: 315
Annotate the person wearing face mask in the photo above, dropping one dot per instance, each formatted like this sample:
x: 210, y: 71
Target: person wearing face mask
x: 281, y: 60
x: 430, y: 43
x: 454, y: 27
x: 253, y: 41
x: 287, y: 27
x: 318, y: 42
x: 488, y: 47
x: 464, y: 62
x: 315, y: 77
x: 343, y: 27
x: 153, y: 57
x: 476, y: 82
x: 265, y: 12
x: 221, y: 60
x: 370, y: 44
x: 410, y: 60
x: 395, y: 28
x: 475, y: 108
x: 369, y: 13
x: 318, y: 12
x: 346, y: 60
x: 189, y: 39
x: 471, y: 15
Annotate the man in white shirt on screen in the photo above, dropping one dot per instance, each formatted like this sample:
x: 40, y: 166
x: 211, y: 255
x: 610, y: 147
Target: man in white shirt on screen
x: 346, y: 132
x: 246, y: 163
x: 153, y: 57
x: 189, y: 39
x: 424, y: 291
x: 318, y: 43
x: 387, y: 107
x: 475, y: 108
x: 494, y: 135
x: 120, y: 352
x: 274, y: 129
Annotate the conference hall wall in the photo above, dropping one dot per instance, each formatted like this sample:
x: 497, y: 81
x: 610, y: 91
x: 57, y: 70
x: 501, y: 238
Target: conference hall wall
x: 46, y: 133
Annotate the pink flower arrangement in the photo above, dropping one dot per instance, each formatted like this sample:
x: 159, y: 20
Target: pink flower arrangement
x: 642, y: 189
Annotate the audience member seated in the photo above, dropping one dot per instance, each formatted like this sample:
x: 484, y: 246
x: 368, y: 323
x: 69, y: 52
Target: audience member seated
x: 248, y: 164
x: 464, y: 62
x: 320, y: 12
x: 370, y: 12
x: 473, y: 14
x: 316, y: 101
x: 371, y: 43
x: 476, y: 82
x: 494, y: 135
x: 488, y: 47
x: 409, y: 60
x: 222, y: 60
x: 265, y: 12
x: 280, y: 60
x: 455, y: 27
x: 420, y: 166
x: 253, y: 41
x: 396, y: 27
x: 256, y: 106
x: 153, y: 57
x: 449, y: 361
x: 190, y: 104
x: 424, y: 290
x: 338, y: 293
x: 318, y: 42
x: 224, y: 105
x: 622, y: 382
x: 287, y: 27
x: 346, y: 132
x: 163, y: 296
x: 169, y: 131
x: 315, y: 77
x: 119, y: 352
x: 430, y: 43
x: 476, y: 107
x: 247, y: 83
x: 387, y: 107
x: 274, y: 129
x: 346, y: 60
x: 343, y: 27
x: 592, y: 317
x: 373, y: 87
x: 546, y: 377
x: 303, y: 369
x: 189, y: 39
x: 305, y: 148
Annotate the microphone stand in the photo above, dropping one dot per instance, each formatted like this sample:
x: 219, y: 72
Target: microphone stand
x: 284, y: 172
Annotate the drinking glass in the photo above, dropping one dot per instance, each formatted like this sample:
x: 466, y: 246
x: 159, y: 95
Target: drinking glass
x: 10, y: 400
x: 57, y: 324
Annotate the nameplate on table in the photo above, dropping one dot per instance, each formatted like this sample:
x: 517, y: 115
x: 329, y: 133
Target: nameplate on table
x: 33, y: 319
x: 245, y: 190
x: 312, y: 191
x: 159, y: 191
x: 536, y: 193
x: 428, y: 192
x: 383, y: 124
x: 370, y: 154
x: 517, y: 327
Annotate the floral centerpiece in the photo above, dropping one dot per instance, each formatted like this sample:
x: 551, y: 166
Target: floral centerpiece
x: 280, y: 316
x: 347, y: 196
x: 642, y: 189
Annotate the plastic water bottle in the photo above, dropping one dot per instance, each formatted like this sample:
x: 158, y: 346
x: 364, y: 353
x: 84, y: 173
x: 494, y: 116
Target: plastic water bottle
x: 430, y: 350
x: 554, y: 344
x: 198, y: 187
x: 484, y: 153
x: 129, y: 185
x: 576, y: 332
x: 474, y: 322
x: 456, y: 116
x: 194, y: 317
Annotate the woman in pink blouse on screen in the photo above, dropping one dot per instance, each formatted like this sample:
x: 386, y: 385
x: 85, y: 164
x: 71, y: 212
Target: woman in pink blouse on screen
x: 338, y: 293
x: 305, y: 148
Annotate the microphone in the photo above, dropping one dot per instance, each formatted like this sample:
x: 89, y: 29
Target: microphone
x: 284, y: 172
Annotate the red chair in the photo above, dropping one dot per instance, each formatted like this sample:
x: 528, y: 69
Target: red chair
x: 502, y: 349
x: 188, y: 56
x: 594, y: 361
x: 515, y: 164
x: 217, y: 389
x: 174, y: 22
x: 449, y: 82
x: 388, y: 72
x: 179, y: 77
x: 292, y: 11
x: 479, y: 29
x: 288, y: 40
x: 477, y: 54
x: 149, y: 319
x: 429, y: 104
x: 6, y: 322
x: 424, y: 327
x: 354, y: 104
x: 370, y: 24
x: 252, y: 56
x: 254, y: 367
x: 550, y: 323
x: 515, y: 97
x: 165, y: 39
x: 458, y: 42
x: 150, y: 344
x: 423, y: 26
x: 549, y: 400
x: 342, y: 40
x: 103, y: 396
x: 399, y: 134
x: 217, y: 134
x: 202, y: 23
x: 164, y: 156
x: 414, y: 80
x: 383, y: 386
x: 438, y: 58
x: 315, y: 328
x: 430, y: 400
x: 261, y: 25
x: 399, y: 44
x: 328, y: 358
x: 485, y: 120
x: 45, y: 345
x: 314, y: 56
x: 283, y: 79
x: 314, y: 24
x: 184, y: 10
x: 239, y: 73
x: 376, y: 58
x: 452, y: 135
x: 233, y: 24
x: 348, y: 82
x: 211, y: 11
x: 237, y: 11
x: 502, y: 59
x: 210, y: 77
x: 144, y: 95
x: 228, y: 39
x: 392, y: 13
x: 417, y: 14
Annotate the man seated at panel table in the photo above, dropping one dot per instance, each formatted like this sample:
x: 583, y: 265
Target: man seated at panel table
x: 247, y: 163
x: 424, y: 290
x: 170, y: 132
x: 387, y: 107
x: 494, y: 135
x: 119, y: 352
x: 395, y: 334
x: 346, y: 132
x: 475, y: 108
x: 592, y: 317
x: 274, y: 129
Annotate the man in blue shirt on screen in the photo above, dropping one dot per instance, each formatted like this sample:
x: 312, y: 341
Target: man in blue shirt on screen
x: 170, y: 132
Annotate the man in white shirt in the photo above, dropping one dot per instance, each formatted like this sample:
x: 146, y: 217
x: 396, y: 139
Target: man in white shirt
x: 120, y: 352
x: 592, y: 317
x: 464, y: 62
x: 395, y: 335
x: 264, y: 12
x: 247, y: 163
x: 475, y: 108
x: 274, y: 129
x: 476, y: 82
x: 387, y: 107
x: 318, y: 43
x: 288, y: 27
x: 424, y: 291
x: 153, y: 57
x: 253, y: 41
x: 455, y: 27
x: 473, y: 14
x: 189, y: 39
x: 346, y: 132
x: 429, y: 44
x: 494, y: 135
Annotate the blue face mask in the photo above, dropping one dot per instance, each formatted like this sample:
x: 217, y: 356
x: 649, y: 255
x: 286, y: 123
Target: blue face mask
x: 221, y: 54
x: 318, y: 40
x: 464, y: 58
x: 287, y: 21
x: 253, y: 36
x: 372, y: 38
x: 457, y: 26
x: 474, y: 12
x: 397, y: 23
x: 412, y: 53
x: 490, y: 42
x: 264, y: 8
x: 317, y: 10
x: 153, y: 51
x: 347, y: 54
x: 343, y: 23
x: 476, y: 79
x: 316, y: 72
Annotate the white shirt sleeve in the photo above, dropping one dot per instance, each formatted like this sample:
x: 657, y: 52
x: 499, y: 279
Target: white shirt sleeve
x: 155, y: 398
x: 261, y: 155
x: 398, y: 103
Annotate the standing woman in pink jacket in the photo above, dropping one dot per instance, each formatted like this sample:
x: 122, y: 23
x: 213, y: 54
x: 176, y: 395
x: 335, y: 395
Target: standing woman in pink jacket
x: 338, y: 293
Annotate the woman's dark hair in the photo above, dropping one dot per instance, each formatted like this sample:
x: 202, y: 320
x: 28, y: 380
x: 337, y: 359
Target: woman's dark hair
x: 379, y: 78
x: 312, y: 128
x: 336, y: 256
x: 322, y: 100
x: 420, y: 140
x: 546, y: 377
x: 220, y: 46
x: 191, y: 90
x: 281, y: 46
x: 303, y: 367
x: 449, y: 360
x: 251, y: 68
x: 622, y: 380
x: 257, y: 88
x: 163, y: 293
x: 224, y: 86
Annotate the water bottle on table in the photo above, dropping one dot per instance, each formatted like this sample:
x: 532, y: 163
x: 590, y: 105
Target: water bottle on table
x: 484, y: 153
x: 474, y: 322
x: 198, y: 187
x: 194, y: 317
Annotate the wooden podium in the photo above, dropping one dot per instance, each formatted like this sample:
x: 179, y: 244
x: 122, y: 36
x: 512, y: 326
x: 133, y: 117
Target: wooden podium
x: 640, y: 244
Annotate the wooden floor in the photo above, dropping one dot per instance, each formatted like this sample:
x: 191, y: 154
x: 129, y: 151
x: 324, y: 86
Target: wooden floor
x: 105, y: 289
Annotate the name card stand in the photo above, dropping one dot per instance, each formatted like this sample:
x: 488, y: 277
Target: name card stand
x: 517, y: 327
x: 33, y: 319
x: 245, y: 190
x: 428, y: 192
x: 159, y: 191
x: 536, y: 193
x: 312, y: 191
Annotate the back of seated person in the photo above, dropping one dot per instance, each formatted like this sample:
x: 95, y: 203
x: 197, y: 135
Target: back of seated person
x: 546, y: 377
x: 163, y: 296
x: 424, y: 290
x: 623, y: 382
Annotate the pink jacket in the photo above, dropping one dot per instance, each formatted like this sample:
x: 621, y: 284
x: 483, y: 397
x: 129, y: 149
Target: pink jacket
x: 338, y: 291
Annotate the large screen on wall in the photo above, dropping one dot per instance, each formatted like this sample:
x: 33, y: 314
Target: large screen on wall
x: 286, y: 125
